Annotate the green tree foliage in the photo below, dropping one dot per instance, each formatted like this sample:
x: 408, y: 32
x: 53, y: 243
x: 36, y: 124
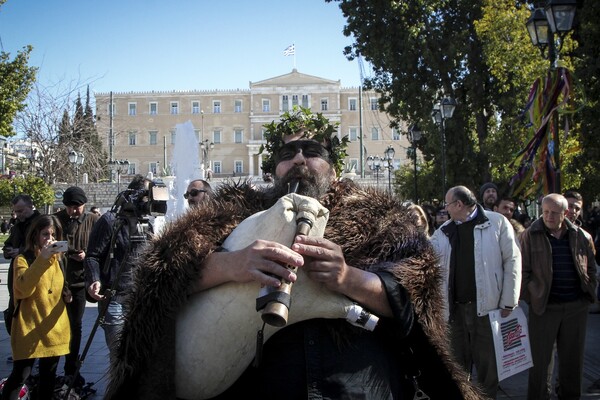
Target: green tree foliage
x: 477, y: 51
x: 587, y: 163
x: 16, y: 79
x: 41, y: 193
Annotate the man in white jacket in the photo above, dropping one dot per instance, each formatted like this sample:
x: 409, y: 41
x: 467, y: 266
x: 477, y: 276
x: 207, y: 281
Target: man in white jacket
x: 482, y: 272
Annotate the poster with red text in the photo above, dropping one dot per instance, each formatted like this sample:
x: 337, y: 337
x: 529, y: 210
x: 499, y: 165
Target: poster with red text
x: 511, y: 340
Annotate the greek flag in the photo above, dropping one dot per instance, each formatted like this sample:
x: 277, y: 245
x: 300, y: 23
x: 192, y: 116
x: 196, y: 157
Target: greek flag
x: 290, y: 50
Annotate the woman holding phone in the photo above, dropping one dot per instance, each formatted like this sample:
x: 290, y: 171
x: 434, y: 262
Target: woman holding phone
x: 40, y: 327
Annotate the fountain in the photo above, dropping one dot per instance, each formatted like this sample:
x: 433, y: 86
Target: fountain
x: 184, y: 167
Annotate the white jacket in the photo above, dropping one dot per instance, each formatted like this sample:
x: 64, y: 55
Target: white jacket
x: 497, y: 261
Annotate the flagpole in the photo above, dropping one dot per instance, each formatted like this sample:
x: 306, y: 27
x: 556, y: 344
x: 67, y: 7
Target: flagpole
x: 294, y: 45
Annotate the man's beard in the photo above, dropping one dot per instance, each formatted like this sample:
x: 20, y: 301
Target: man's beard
x: 309, y: 183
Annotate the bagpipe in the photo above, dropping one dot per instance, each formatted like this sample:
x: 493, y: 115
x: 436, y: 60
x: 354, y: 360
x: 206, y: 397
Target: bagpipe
x: 216, y: 332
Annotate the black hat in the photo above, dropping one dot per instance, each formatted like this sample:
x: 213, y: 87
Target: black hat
x: 74, y: 196
x: 486, y: 186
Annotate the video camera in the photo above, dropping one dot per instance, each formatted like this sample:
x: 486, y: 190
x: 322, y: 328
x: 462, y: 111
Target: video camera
x: 142, y: 202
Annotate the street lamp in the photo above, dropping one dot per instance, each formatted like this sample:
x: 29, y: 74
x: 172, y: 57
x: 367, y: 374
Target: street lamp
x: 414, y: 135
x: 119, y: 166
x: 389, y: 157
x: 374, y: 163
x: 76, y: 159
x: 556, y: 18
x: 443, y: 110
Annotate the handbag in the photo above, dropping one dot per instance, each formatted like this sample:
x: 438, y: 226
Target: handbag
x: 10, y: 313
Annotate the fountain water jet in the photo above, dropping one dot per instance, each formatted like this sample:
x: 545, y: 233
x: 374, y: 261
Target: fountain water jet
x: 184, y: 166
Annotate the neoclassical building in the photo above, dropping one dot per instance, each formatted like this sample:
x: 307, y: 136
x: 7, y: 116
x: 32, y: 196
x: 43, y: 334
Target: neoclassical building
x: 229, y: 123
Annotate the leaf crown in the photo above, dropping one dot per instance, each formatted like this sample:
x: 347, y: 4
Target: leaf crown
x: 312, y: 126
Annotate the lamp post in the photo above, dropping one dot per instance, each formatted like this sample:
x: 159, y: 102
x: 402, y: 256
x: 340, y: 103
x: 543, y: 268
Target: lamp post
x: 76, y: 159
x: 414, y: 135
x: 443, y: 110
x: 556, y: 18
x: 374, y: 163
x: 119, y: 166
x: 389, y: 157
x: 3, y: 146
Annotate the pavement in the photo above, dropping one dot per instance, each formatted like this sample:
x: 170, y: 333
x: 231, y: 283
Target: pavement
x: 95, y: 365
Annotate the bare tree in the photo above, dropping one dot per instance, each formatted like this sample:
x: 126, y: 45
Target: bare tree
x: 45, y: 122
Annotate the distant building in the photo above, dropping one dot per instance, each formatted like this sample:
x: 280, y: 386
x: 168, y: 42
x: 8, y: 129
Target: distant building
x: 143, y: 124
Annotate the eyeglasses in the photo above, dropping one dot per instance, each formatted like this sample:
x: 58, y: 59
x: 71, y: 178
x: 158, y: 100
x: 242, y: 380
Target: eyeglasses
x: 447, y: 204
x: 309, y: 148
x: 193, y: 193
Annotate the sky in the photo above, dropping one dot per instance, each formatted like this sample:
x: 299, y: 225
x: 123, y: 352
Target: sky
x: 145, y: 45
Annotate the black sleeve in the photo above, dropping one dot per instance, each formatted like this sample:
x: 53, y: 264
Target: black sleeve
x: 97, y: 249
x: 399, y: 302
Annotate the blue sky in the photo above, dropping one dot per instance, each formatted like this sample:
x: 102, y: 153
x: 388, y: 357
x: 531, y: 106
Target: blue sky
x: 135, y: 45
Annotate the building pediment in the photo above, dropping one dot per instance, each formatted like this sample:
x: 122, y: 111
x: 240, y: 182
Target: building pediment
x: 294, y: 78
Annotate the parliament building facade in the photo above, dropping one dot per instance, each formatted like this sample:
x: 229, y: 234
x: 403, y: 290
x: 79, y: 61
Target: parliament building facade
x: 141, y: 127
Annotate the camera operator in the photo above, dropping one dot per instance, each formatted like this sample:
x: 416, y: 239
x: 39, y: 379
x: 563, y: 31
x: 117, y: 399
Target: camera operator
x: 115, y: 242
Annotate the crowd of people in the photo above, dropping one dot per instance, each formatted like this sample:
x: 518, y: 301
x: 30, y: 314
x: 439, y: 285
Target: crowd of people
x: 431, y: 273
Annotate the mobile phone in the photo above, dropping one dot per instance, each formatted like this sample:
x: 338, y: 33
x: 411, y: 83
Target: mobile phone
x: 61, y: 246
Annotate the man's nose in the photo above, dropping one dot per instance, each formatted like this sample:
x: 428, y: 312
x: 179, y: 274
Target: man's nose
x: 299, y: 158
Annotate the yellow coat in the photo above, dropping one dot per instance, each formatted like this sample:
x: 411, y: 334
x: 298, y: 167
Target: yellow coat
x: 41, y: 326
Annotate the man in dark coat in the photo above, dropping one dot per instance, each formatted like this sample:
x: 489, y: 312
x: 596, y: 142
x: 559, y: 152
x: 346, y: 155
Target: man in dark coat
x: 77, y: 225
x: 371, y: 252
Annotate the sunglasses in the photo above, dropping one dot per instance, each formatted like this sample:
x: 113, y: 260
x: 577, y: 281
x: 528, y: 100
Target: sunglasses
x: 309, y: 148
x: 193, y: 193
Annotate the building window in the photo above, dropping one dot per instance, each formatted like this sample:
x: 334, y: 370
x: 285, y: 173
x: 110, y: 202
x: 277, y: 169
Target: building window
x: 153, y: 138
x: 174, y: 107
x: 153, y: 108
x: 195, y: 107
x: 132, y: 109
x: 173, y: 137
x: 237, y: 106
x: 238, y: 167
x: 217, y: 106
x: 217, y: 167
x: 197, y: 134
x: 352, y: 104
x: 285, y: 106
x: 112, y: 110
x: 395, y: 134
x: 238, y: 136
x: 305, y: 101
x: 216, y: 136
x: 374, y: 106
x: 324, y: 104
x: 294, y: 100
x: 132, y: 138
x: 266, y: 105
x: 153, y: 168
x: 262, y: 134
x: 132, y: 169
x: 374, y: 133
x: 353, y: 134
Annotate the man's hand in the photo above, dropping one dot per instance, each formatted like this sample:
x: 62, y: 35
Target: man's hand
x: 10, y: 252
x: 262, y: 261
x: 323, y: 261
x: 505, y: 313
x: 94, y: 291
x: 78, y: 256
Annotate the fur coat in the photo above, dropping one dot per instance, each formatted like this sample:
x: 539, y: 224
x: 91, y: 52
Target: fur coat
x: 374, y: 231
